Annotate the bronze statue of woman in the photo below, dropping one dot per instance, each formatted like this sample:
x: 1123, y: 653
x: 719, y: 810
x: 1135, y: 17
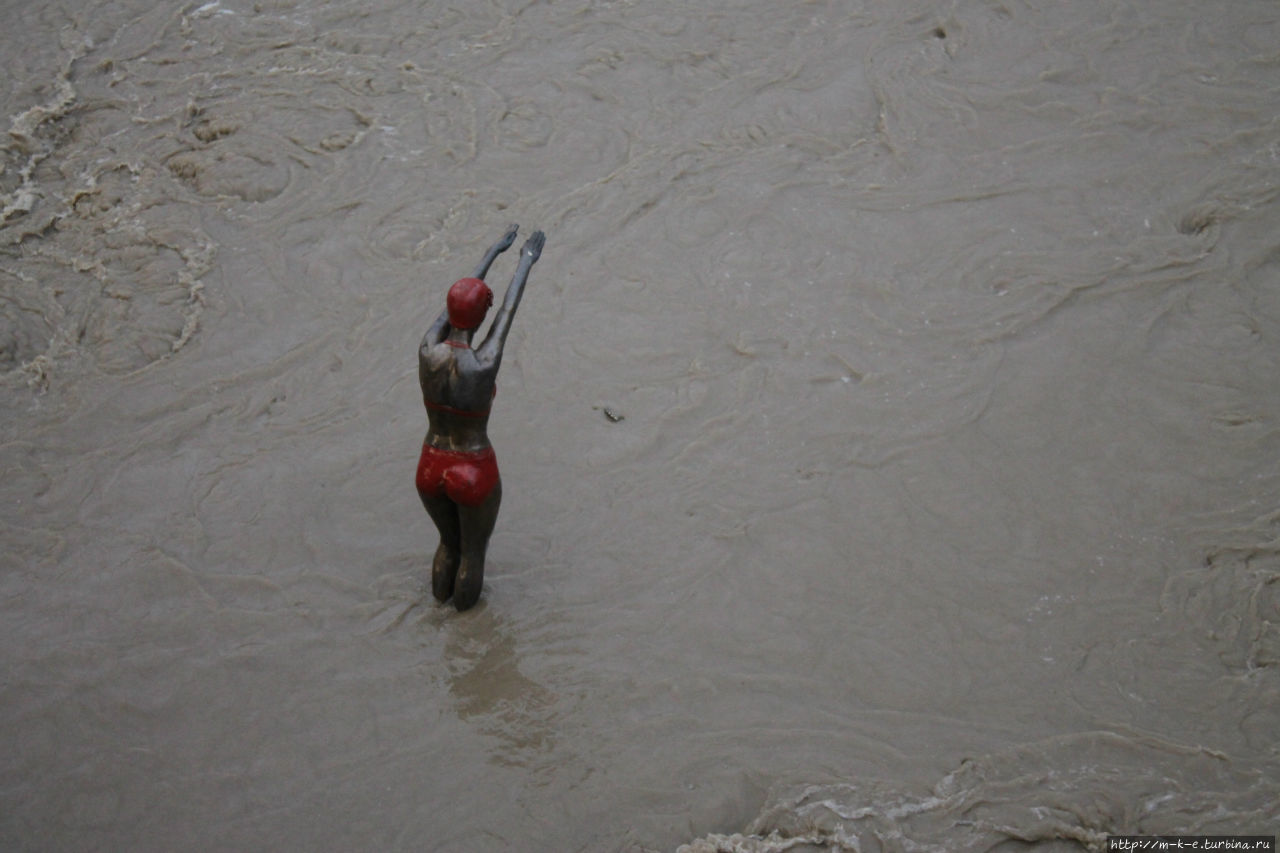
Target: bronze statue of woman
x: 458, y: 472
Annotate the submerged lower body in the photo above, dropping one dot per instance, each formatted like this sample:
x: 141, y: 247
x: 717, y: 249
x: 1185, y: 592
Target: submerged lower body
x: 461, y: 492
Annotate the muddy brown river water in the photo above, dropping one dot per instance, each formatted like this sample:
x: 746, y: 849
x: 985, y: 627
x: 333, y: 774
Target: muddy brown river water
x: 890, y: 432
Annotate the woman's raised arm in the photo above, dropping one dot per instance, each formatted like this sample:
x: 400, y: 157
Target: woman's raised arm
x: 440, y: 329
x: 491, y: 350
x: 496, y: 249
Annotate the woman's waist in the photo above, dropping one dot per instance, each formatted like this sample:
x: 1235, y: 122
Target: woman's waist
x: 459, y: 441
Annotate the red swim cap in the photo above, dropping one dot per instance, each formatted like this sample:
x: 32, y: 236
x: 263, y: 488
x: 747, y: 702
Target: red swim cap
x: 469, y: 301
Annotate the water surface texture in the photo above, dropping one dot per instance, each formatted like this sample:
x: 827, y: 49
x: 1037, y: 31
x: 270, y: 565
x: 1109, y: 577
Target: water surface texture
x: 890, y: 432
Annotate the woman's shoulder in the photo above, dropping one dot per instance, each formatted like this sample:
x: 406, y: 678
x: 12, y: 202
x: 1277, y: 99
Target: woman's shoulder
x: 438, y: 352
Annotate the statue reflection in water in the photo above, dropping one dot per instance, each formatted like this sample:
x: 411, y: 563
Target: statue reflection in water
x: 458, y: 472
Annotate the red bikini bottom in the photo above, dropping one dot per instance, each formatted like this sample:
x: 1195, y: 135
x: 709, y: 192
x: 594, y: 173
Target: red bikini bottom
x: 465, y: 477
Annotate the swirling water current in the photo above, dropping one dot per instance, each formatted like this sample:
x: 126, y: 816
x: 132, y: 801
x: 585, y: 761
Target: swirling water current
x: 890, y: 432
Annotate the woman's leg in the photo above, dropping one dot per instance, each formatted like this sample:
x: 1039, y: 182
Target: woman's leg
x: 476, y: 525
x: 444, y: 568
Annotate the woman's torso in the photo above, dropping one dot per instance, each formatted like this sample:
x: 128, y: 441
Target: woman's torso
x: 458, y: 392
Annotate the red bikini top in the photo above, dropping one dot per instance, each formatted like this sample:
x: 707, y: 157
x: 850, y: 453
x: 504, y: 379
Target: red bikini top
x: 466, y: 413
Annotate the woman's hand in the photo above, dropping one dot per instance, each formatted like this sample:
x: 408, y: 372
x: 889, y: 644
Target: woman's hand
x: 507, y: 239
x: 533, y: 246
